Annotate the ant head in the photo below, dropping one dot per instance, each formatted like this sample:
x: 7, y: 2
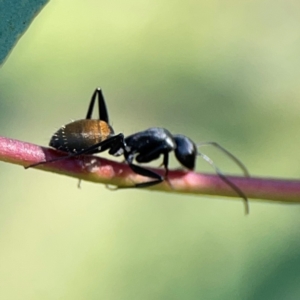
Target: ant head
x: 186, y: 151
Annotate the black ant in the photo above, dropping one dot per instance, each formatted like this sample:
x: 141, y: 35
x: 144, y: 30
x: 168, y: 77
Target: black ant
x: 91, y: 136
x: 148, y: 145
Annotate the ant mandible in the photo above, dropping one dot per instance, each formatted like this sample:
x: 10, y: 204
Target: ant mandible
x: 146, y: 146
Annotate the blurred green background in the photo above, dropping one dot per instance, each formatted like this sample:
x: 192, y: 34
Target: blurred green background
x: 213, y: 70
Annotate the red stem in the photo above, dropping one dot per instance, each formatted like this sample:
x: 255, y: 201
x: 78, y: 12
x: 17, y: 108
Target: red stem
x: 96, y: 169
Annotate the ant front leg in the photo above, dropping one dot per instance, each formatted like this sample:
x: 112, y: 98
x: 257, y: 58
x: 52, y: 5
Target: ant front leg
x: 166, y: 165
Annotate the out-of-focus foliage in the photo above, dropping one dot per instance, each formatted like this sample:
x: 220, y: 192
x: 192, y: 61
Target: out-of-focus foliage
x: 15, y: 18
x: 215, y: 70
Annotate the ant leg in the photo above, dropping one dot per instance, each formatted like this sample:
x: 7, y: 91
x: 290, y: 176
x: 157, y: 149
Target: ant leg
x: 229, y: 154
x: 147, y: 173
x: 100, y: 147
x: 155, y: 153
x: 144, y: 158
x: 116, y: 140
x: 143, y: 172
x: 103, y: 114
x: 166, y: 164
x: 227, y: 181
x: 91, y: 106
x: 79, y: 184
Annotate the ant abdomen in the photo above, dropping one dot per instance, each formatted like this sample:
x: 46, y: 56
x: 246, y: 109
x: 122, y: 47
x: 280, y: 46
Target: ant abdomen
x: 80, y: 135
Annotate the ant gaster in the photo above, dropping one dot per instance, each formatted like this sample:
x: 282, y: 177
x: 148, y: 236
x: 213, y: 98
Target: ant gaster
x: 148, y: 145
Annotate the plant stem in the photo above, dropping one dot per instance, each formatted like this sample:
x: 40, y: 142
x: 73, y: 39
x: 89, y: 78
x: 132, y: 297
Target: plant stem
x: 96, y: 169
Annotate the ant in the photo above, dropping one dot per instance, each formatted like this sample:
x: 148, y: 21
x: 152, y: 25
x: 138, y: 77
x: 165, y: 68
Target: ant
x: 146, y: 146
x: 91, y: 136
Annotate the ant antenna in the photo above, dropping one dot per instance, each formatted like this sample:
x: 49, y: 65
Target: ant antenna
x: 229, y: 154
x: 225, y: 179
